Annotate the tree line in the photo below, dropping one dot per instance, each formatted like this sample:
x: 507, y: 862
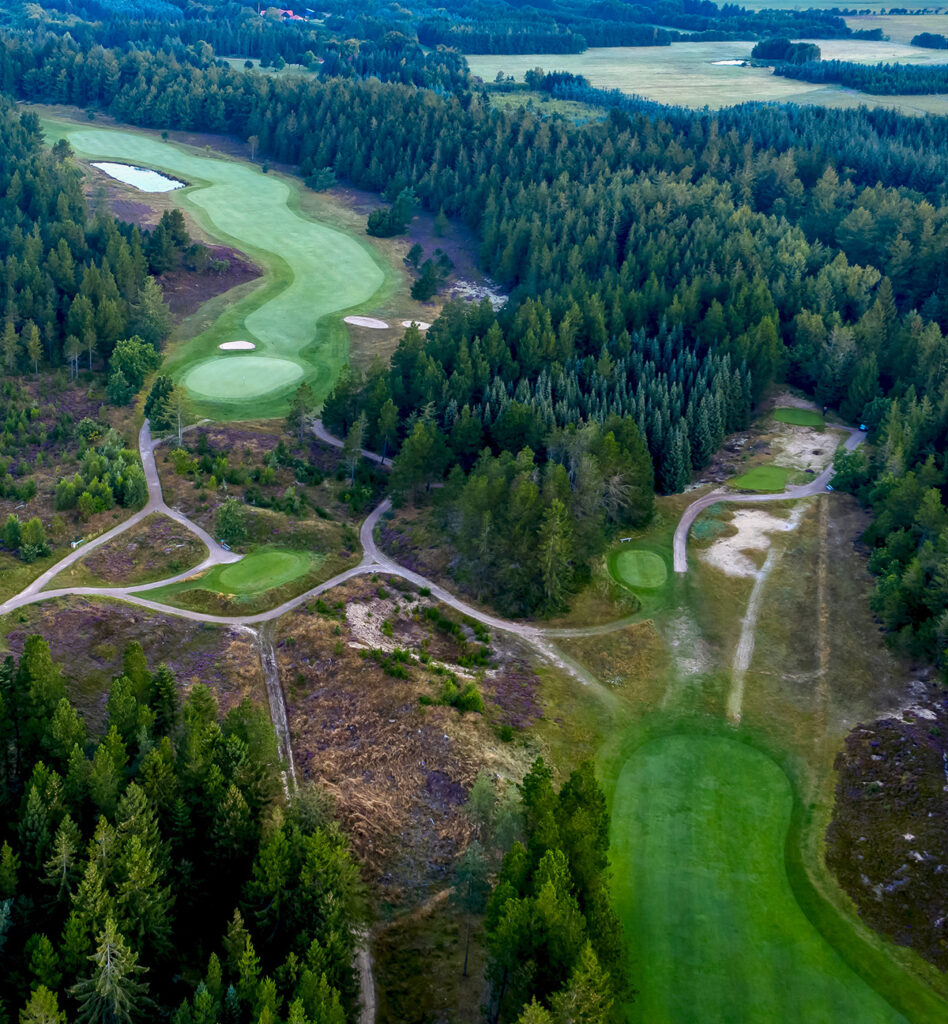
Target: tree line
x: 877, y: 79
x: 150, y: 872
x: 73, y: 286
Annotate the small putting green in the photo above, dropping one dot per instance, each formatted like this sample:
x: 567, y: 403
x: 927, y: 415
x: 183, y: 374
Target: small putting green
x: 260, y: 571
x: 239, y: 378
x: 639, y: 569
x: 799, y: 417
x: 699, y: 826
x: 765, y: 479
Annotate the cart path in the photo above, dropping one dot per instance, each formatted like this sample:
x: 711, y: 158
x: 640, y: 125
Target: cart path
x: 817, y: 486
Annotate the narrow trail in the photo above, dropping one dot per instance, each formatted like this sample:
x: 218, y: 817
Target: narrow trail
x: 745, y: 645
x: 823, y: 610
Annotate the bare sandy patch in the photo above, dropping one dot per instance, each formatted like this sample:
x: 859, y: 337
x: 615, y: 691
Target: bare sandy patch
x: 754, y: 527
x: 366, y: 321
x: 804, y: 447
x: 237, y: 346
x: 420, y: 324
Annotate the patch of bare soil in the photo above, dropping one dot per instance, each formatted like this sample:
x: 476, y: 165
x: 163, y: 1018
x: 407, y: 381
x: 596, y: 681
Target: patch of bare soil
x: 399, y: 770
x: 753, y: 529
x: 888, y: 840
x: 88, y: 637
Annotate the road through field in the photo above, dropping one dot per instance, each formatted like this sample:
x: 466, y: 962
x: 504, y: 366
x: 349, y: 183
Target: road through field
x: 312, y: 271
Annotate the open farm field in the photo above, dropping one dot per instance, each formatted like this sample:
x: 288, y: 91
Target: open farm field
x: 902, y: 28
x: 687, y: 74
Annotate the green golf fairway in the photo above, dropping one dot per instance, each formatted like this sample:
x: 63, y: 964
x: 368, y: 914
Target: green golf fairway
x: 313, y: 274
x: 256, y: 573
x: 699, y: 825
x: 767, y: 479
x: 799, y: 417
x: 637, y: 568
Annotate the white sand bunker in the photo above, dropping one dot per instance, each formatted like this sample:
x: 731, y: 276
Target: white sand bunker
x: 366, y: 321
x: 753, y: 534
x: 420, y: 324
x: 237, y: 346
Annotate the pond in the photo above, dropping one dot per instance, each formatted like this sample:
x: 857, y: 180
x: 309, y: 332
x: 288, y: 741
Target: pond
x: 142, y: 178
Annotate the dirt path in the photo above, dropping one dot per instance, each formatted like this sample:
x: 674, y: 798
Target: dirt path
x: 691, y: 513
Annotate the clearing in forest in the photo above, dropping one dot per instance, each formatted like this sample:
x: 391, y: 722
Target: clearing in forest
x: 314, y: 273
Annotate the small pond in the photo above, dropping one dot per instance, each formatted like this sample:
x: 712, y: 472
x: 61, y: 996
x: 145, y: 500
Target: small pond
x: 142, y: 178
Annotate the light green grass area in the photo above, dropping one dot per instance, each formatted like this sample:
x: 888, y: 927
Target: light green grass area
x: 640, y: 569
x: 261, y: 570
x: 685, y: 73
x: 543, y: 104
x: 314, y: 274
x: 766, y: 479
x: 699, y: 826
x: 901, y: 28
x: 799, y: 417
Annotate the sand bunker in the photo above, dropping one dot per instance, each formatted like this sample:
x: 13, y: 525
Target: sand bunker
x: 366, y: 321
x: 237, y: 346
x: 754, y: 527
x: 420, y: 324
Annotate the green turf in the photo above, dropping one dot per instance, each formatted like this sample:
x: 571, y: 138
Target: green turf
x: 638, y: 568
x: 257, y: 572
x: 699, y: 828
x: 314, y: 274
x: 799, y: 417
x: 766, y: 479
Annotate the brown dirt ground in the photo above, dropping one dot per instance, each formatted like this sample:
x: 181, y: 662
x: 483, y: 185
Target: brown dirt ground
x: 888, y: 841
x: 153, y: 549
x: 87, y: 638
x: 398, y: 770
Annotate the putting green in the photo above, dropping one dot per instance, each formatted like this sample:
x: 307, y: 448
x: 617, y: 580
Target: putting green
x: 699, y: 828
x: 235, y: 378
x: 766, y: 479
x: 313, y: 274
x: 799, y: 417
x: 640, y: 569
x: 258, y: 572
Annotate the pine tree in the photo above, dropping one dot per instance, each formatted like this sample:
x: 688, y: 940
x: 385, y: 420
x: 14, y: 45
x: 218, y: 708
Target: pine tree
x: 113, y: 993
x: 42, y: 1008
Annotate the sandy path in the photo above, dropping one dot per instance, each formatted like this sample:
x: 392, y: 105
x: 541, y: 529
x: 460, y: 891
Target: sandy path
x: 745, y: 645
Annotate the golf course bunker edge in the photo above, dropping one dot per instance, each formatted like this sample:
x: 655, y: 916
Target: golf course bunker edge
x: 239, y: 377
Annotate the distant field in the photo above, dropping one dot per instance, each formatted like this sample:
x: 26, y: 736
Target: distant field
x: 799, y: 417
x: 686, y: 73
x: 766, y: 479
x: 699, y: 826
x: 900, y: 28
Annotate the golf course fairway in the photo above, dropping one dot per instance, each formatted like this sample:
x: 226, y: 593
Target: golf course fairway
x: 313, y: 274
x: 699, y: 829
